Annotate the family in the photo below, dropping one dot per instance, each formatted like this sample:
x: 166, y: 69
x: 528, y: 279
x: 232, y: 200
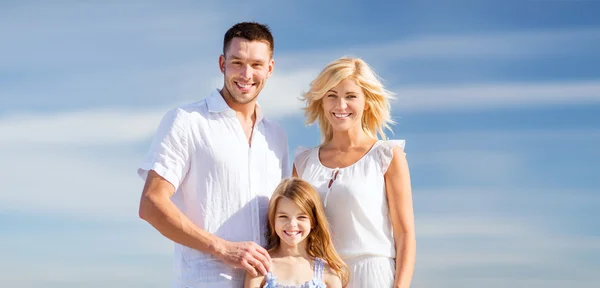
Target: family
x: 218, y: 182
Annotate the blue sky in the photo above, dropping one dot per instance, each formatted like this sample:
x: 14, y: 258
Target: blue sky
x: 499, y: 104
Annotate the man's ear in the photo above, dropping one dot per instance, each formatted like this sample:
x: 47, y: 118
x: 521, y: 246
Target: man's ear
x: 271, y: 67
x: 222, y: 63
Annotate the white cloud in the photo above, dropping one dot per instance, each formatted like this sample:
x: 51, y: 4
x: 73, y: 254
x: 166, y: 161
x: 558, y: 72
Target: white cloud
x: 477, y: 251
x: 496, y: 45
x: 494, y: 96
x: 81, y: 127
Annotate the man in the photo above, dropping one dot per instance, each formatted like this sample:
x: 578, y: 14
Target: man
x: 212, y: 167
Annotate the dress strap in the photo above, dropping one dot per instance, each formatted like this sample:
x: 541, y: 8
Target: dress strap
x: 270, y: 281
x: 319, y: 266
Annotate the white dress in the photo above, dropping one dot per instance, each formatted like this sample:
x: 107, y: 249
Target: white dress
x: 357, y: 209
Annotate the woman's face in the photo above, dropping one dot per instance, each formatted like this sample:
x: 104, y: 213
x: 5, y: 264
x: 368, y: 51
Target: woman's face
x: 344, y: 105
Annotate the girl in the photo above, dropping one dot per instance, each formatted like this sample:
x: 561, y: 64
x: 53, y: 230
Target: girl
x: 364, y: 182
x: 299, y: 242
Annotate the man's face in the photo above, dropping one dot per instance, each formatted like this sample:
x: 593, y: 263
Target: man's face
x: 246, y: 66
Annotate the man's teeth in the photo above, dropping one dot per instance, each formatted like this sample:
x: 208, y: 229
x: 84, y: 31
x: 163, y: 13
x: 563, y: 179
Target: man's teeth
x: 341, y: 115
x: 244, y: 85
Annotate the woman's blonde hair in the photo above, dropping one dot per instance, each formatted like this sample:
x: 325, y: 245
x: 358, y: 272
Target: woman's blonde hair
x: 377, y: 115
x: 319, y: 242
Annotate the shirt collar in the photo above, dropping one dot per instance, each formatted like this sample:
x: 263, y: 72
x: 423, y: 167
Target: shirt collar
x: 216, y: 104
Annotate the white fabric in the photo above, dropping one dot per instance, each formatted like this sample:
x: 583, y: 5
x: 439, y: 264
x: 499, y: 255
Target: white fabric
x: 371, y: 272
x: 356, y: 204
x: 221, y: 183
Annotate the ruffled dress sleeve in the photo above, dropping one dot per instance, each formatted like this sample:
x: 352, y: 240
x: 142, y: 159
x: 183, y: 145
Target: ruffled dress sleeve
x: 301, y: 155
x: 386, y: 153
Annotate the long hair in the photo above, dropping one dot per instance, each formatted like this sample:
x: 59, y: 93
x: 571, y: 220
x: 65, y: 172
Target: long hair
x: 319, y: 242
x: 374, y: 119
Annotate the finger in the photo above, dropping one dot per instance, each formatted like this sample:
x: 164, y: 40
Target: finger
x: 249, y: 268
x: 258, y: 265
x: 264, y: 252
x: 263, y: 256
x: 263, y: 259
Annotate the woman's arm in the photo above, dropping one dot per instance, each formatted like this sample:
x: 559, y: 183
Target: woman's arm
x: 398, y: 189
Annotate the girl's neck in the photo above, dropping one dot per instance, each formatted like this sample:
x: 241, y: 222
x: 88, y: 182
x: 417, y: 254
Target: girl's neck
x: 292, y: 251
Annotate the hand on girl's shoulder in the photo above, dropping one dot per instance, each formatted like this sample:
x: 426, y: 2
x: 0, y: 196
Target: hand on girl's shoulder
x: 331, y: 279
x: 253, y: 281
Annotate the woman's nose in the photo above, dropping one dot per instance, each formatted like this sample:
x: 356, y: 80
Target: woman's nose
x: 342, y: 103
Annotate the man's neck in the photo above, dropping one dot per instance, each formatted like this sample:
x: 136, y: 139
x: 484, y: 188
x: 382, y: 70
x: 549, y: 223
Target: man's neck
x: 246, y: 112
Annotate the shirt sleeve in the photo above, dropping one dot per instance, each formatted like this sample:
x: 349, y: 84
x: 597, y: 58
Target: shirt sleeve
x: 169, y: 153
x: 286, y: 170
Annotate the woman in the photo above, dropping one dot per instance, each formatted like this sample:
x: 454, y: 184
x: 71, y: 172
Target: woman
x: 364, y: 182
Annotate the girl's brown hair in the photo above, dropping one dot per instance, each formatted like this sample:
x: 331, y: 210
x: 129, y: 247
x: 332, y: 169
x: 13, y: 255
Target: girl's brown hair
x: 319, y: 242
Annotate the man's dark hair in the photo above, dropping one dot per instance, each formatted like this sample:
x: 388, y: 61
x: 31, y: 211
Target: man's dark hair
x: 250, y: 31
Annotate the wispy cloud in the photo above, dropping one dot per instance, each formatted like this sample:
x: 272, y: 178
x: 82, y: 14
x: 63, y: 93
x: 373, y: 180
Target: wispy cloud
x: 511, y: 44
x: 98, y: 127
x: 499, y: 95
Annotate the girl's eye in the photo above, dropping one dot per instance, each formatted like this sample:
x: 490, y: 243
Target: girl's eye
x: 282, y: 216
x: 351, y: 96
x: 331, y: 96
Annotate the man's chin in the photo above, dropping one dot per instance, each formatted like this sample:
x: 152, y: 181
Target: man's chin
x: 244, y: 98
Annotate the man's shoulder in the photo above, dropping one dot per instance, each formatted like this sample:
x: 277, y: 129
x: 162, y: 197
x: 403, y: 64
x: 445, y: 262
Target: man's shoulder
x: 185, y: 112
x: 197, y: 107
x: 273, y: 127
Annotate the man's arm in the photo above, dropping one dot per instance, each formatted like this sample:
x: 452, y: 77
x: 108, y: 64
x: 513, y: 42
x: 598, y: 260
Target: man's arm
x: 157, y: 209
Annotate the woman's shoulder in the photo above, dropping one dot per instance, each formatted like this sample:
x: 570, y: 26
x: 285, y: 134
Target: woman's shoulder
x: 387, y: 150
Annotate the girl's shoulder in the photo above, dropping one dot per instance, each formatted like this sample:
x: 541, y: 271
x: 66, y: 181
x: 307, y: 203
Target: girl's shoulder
x: 251, y: 281
x: 329, y: 276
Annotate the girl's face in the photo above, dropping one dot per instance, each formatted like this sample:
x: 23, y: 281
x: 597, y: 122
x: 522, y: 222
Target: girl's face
x: 292, y: 225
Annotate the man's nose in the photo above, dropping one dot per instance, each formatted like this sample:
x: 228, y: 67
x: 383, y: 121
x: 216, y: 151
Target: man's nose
x: 246, y: 72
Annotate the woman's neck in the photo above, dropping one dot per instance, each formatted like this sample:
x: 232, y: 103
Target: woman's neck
x: 343, y: 140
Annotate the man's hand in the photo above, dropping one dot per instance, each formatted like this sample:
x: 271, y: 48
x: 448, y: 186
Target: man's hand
x: 245, y: 255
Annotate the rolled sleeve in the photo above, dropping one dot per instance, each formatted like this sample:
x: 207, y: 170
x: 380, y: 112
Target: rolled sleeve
x: 169, y: 153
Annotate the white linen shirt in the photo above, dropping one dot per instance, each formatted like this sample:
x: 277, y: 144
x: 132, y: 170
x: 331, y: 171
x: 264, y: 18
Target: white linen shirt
x: 222, y: 184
